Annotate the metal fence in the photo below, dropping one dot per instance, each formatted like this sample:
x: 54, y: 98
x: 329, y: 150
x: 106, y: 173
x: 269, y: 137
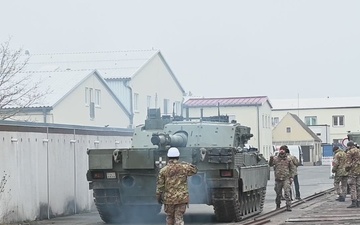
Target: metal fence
x: 43, y: 168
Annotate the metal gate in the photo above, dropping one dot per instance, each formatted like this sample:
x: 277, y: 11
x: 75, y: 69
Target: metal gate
x: 306, y: 153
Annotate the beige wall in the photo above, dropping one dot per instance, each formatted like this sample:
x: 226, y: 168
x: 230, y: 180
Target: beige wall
x: 297, y: 131
x: 324, y: 116
x: 247, y: 116
x: 156, y: 81
x: 73, y: 110
x: 297, y: 136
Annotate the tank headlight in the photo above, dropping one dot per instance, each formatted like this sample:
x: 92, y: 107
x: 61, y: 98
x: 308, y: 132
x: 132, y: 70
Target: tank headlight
x: 98, y: 175
x: 226, y: 173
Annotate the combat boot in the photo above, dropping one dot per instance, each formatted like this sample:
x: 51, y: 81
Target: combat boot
x: 358, y: 203
x: 288, y: 208
x: 277, y: 206
x: 341, y: 199
x: 353, y: 204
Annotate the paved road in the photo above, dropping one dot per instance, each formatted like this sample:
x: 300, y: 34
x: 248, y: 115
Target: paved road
x: 312, y: 179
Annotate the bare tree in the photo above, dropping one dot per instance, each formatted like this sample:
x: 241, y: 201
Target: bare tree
x: 17, y: 88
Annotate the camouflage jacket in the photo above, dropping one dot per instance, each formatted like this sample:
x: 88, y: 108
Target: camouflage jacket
x: 338, y: 163
x: 353, y: 161
x: 172, y: 182
x: 284, y: 168
x: 296, y: 163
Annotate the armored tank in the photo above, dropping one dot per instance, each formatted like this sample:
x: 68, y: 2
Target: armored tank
x: 353, y: 136
x: 231, y: 177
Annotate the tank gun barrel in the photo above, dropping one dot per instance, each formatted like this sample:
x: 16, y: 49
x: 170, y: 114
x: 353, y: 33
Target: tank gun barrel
x: 174, y: 140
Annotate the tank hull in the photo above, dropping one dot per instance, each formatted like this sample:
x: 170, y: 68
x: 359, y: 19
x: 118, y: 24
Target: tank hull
x: 230, y: 177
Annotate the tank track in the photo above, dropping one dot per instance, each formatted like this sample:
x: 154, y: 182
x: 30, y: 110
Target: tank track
x: 230, y: 207
x: 108, y: 204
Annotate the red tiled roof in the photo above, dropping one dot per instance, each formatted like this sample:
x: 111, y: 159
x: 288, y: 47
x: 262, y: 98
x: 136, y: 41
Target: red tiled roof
x: 233, y: 101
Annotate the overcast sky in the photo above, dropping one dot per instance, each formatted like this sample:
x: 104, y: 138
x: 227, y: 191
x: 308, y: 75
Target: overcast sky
x: 280, y: 49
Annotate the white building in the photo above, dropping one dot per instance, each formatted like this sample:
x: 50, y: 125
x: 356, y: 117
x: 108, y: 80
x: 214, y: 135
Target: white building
x: 138, y: 78
x: 341, y: 114
x: 254, y: 112
x: 75, y: 97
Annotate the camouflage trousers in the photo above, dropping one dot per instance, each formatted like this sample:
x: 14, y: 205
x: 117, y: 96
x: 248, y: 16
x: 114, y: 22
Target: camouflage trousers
x: 279, y: 185
x: 354, y: 184
x: 175, y: 214
x: 340, y: 185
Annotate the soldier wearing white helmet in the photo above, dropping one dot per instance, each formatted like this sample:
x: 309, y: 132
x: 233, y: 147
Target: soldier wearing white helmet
x: 173, y: 153
x: 172, y: 189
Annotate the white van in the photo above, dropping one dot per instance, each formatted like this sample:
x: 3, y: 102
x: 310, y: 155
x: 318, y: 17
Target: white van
x: 294, y: 150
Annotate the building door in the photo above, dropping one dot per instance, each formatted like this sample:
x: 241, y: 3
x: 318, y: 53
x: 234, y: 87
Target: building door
x: 306, y: 153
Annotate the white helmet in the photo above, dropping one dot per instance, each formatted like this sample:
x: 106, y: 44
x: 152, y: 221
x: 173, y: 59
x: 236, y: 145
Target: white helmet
x: 173, y: 152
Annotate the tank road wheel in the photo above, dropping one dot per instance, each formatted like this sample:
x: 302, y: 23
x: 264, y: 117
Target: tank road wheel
x: 229, y: 206
x: 108, y: 204
x: 262, y: 198
x: 250, y: 202
x: 226, y: 205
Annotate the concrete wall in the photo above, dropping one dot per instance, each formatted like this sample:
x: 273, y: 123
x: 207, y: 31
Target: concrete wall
x: 43, y: 169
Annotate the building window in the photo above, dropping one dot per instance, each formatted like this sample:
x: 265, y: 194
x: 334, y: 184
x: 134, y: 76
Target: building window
x: 89, y: 101
x: 310, y: 120
x: 97, y: 97
x: 338, y: 121
x: 92, y: 110
x: 288, y: 130
x: 274, y: 121
x: 148, y: 101
x: 86, y: 96
x: 136, y: 102
x: 91, y: 95
x: 177, y: 108
x: 337, y: 141
x: 166, y: 106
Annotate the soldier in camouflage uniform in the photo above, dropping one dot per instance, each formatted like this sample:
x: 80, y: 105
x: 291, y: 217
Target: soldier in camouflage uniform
x: 352, y: 166
x: 296, y: 178
x: 340, y: 179
x: 284, y: 173
x: 172, y: 189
